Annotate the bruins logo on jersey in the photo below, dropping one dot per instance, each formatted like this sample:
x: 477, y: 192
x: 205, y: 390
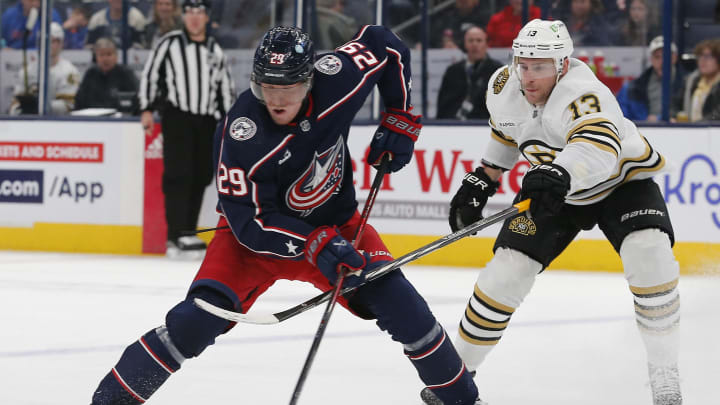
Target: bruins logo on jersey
x: 537, y: 152
x: 501, y: 80
x: 523, y: 225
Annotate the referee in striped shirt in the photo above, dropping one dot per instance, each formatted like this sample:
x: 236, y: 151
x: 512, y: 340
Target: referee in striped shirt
x: 186, y: 78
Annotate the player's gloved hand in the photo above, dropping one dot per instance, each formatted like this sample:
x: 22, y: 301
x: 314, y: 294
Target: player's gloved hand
x: 467, y: 205
x: 546, y: 185
x: 395, y: 136
x: 327, y: 250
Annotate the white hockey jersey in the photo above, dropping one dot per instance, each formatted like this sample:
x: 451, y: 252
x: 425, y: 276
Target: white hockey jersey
x: 63, y: 82
x: 580, y: 128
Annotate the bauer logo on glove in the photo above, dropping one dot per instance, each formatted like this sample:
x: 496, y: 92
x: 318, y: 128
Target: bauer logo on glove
x: 395, y: 136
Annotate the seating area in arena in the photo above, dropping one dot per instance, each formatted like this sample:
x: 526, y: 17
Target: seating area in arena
x: 612, y: 36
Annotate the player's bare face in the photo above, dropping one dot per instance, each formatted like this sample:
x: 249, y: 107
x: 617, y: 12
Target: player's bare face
x: 538, y: 78
x: 283, y: 102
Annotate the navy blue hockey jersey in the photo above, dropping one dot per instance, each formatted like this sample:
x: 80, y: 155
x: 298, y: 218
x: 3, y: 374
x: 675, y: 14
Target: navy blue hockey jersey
x: 276, y: 184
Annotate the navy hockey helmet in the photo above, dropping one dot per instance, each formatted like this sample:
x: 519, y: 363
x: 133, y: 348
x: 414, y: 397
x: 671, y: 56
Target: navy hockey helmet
x: 285, y: 56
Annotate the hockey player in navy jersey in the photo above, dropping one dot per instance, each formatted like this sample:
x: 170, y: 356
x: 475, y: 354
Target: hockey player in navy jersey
x: 589, y: 166
x: 285, y: 182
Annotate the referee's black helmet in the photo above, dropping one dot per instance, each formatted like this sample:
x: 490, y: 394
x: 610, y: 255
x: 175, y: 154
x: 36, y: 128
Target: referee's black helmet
x: 196, y: 4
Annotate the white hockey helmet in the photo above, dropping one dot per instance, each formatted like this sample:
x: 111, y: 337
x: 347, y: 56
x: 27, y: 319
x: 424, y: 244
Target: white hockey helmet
x: 543, y: 39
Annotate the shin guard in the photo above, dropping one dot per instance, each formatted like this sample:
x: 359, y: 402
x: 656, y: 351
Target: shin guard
x: 441, y: 369
x: 142, y: 369
x: 146, y: 364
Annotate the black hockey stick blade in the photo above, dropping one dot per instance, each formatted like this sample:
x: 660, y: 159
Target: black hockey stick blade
x: 271, y: 319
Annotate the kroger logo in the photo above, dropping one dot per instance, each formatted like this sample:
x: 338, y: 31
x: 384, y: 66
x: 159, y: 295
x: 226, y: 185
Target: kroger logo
x: 21, y: 186
x: 692, y: 192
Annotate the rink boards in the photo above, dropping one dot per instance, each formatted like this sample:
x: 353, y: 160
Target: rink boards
x: 93, y: 187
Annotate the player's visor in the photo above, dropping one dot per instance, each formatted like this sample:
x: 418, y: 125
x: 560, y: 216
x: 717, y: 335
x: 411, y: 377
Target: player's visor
x: 280, y: 95
x: 535, y: 70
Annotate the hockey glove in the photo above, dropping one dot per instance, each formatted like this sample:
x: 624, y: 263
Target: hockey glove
x: 327, y: 250
x: 546, y: 185
x: 467, y: 205
x: 395, y: 136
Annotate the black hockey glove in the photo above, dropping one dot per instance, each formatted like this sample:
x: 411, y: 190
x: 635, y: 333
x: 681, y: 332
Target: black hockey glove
x: 546, y: 185
x: 395, y: 136
x: 327, y: 250
x: 467, y: 205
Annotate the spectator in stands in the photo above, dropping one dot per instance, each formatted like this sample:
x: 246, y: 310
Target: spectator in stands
x: 505, y: 24
x: 13, y: 23
x: 76, y: 27
x: 641, y: 99
x: 165, y: 18
x: 702, y: 87
x: 62, y: 82
x: 399, y: 12
x: 639, y: 25
x: 462, y: 92
x: 463, y: 15
x: 107, y: 22
x: 333, y: 27
x: 107, y: 84
x: 448, y: 42
x: 240, y: 23
x: 614, y: 9
x: 585, y: 21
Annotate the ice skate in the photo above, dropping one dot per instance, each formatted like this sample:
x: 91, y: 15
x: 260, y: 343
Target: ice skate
x: 186, y: 248
x: 665, y: 385
x: 430, y: 399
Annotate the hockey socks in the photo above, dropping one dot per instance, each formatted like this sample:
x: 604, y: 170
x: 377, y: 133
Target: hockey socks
x: 142, y: 369
x: 441, y: 369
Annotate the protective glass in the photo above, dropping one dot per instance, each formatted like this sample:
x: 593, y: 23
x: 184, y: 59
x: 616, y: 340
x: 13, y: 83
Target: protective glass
x: 280, y: 95
x: 535, y: 70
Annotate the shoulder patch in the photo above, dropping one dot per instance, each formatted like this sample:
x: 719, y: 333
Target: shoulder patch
x: 501, y: 80
x: 329, y: 65
x: 242, y: 129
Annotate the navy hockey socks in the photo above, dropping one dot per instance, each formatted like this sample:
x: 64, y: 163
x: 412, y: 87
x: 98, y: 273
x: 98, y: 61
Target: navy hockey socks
x: 441, y: 369
x: 142, y: 369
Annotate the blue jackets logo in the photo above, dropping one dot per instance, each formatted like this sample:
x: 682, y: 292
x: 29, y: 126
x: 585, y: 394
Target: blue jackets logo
x: 21, y: 186
x: 320, y: 180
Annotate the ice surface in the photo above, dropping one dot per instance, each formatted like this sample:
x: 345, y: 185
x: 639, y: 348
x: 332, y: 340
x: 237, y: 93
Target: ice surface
x: 65, y: 319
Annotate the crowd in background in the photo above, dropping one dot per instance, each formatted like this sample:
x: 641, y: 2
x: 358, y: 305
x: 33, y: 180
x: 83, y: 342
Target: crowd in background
x: 472, y: 26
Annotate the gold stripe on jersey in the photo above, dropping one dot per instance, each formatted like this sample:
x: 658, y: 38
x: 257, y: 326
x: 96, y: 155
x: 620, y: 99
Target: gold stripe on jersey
x: 596, y: 124
x: 630, y: 174
x: 596, y: 143
x: 627, y: 169
x: 655, y: 290
x: 598, y: 129
x: 483, y: 322
x: 474, y: 340
x: 604, y: 128
x: 492, y: 304
x: 502, y: 138
x: 600, y: 133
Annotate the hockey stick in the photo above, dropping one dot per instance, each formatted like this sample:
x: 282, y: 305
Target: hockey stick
x: 270, y: 319
x: 374, y: 188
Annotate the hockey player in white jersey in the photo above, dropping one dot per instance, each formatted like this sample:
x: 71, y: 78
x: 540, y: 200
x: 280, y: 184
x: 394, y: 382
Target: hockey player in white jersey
x: 589, y: 166
x: 63, y: 81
